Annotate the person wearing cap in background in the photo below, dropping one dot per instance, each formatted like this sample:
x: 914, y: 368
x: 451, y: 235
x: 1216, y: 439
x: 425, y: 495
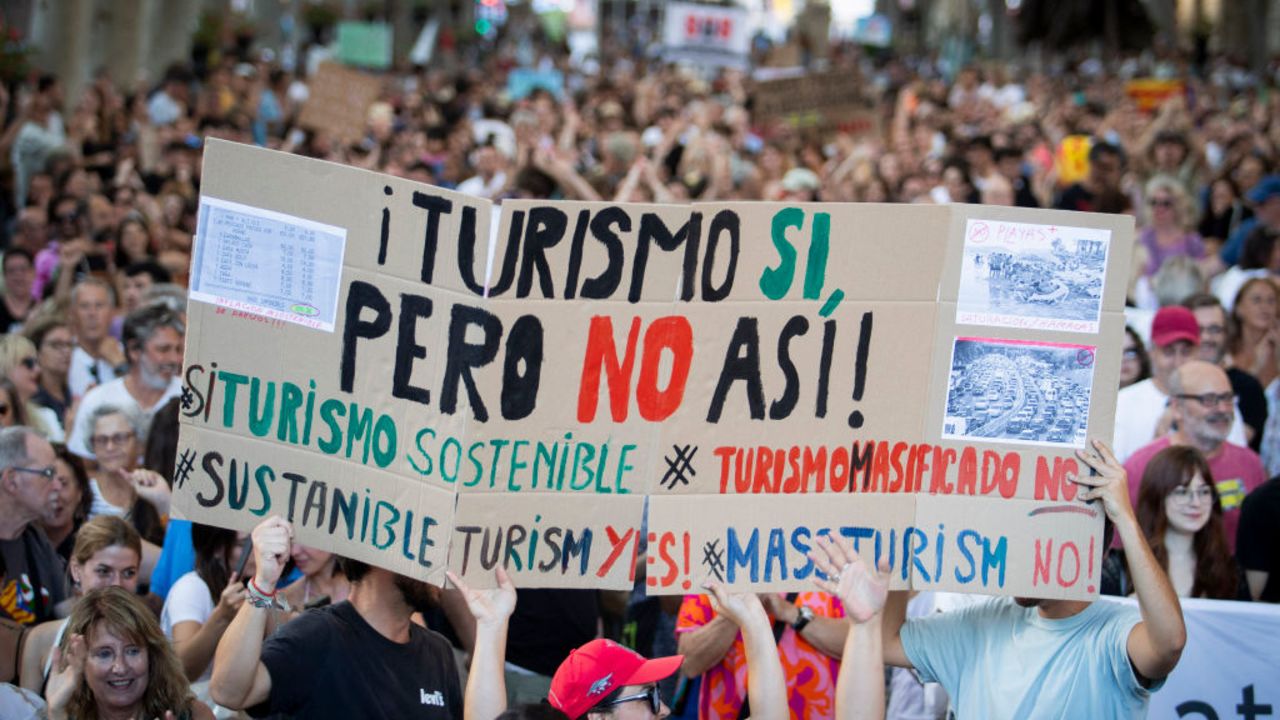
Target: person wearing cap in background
x: 1142, y: 409
x: 1265, y: 199
x: 603, y: 678
x: 800, y: 185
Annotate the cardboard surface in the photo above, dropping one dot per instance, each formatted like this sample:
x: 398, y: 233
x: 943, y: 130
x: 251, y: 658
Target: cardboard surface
x: 755, y: 370
x: 829, y: 100
x: 339, y: 101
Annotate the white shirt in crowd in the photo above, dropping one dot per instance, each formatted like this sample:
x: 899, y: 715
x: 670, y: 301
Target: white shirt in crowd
x: 86, y: 372
x: 1138, y: 411
x: 113, y: 393
x: 188, y: 601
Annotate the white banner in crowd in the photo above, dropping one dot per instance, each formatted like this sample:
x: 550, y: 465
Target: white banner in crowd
x: 717, y: 36
x: 1230, y: 667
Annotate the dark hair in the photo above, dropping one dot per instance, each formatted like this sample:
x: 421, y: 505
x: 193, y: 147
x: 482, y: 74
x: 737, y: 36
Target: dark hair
x: 1235, y: 331
x: 212, y: 545
x: 1006, y: 152
x: 1201, y: 300
x: 1175, y: 137
x: 354, y: 570
x: 1144, y: 360
x: 145, y: 321
x: 117, y: 238
x: 159, y: 273
x: 37, y: 330
x: 162, y: 440
x: 1174, y: 467
x: 1259, y: 245
x: 981, y: 141
x: 17, y: 252
x: 1101, y: 149
x: 81, y: 475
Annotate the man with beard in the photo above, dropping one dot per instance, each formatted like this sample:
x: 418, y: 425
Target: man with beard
x: 153, y: 337
x: 1143, y: 411
x: 362, y: 657
x: 1026, y: 657
x: 1201, y: 400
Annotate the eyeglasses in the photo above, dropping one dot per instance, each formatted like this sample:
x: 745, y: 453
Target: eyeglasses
x: 102, y: 441
x: 1185, y: 496
x: 1210, y: 399
x: 650, y: 694
x: 59, y: 345
x: 47, y: 473
x: 28, y: 363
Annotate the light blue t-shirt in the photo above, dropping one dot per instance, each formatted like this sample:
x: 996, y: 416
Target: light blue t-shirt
x: 998, y: 660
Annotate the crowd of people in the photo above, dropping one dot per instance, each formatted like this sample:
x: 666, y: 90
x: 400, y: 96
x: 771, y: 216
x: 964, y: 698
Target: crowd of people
x: 114, y: 608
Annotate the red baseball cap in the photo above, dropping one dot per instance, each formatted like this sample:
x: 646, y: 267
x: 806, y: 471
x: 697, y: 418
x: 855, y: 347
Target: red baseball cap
x: 598, y: 668
x: 1172, y: 324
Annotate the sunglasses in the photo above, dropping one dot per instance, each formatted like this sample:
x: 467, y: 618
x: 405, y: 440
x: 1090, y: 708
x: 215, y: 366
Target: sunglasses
x: 1162, y: 203
x: 650, y: 694
x: 4, y: 410
x: 28, y: 363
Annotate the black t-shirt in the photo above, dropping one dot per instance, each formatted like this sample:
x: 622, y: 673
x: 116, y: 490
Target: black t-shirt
x: 1076, y: 197
x: 32, y: 577
x: 1252, y: 401
x: 1258, y: 536
x: 330, y: 663
x: 549, y: 624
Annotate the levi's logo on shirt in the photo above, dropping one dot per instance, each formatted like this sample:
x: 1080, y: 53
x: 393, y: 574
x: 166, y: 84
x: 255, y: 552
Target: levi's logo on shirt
x: 435, y: 698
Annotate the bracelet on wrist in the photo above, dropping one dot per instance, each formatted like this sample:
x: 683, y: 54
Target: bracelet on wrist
x: 267, y: 601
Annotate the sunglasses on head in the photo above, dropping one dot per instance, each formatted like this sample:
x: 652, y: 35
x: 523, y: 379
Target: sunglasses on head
x: 650, y: 694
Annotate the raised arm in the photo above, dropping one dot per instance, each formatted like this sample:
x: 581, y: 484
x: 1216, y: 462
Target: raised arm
x: 860, y: 687
x: 706, y: 646
x: 766, y: 688
x: 826, y: 634
x: 1156, y: 643
x: 486, y: 695
x: 240, y: 680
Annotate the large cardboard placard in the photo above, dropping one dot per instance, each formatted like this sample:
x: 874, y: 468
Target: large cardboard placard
x: 760, y: 372
x: 339, y: 101
x: 829, y: 100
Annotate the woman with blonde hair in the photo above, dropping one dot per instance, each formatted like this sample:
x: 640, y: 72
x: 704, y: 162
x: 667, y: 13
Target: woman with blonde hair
x: 107, y: 553
x: 114, y: 662
x: 19, y: 364
x: 13, y: 412
x: 1168, y: 222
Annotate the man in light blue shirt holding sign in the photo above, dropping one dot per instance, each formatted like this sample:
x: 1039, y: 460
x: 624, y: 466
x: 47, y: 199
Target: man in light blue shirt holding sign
x: 1030, y: 658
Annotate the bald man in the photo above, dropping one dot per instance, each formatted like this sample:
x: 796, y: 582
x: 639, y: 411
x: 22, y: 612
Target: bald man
x: 1202, y: 405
